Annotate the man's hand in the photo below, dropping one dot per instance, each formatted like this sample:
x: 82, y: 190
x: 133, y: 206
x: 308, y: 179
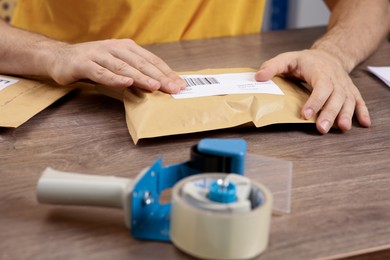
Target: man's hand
x: 115, y: 63
x: 355, y: 30
x: 334, y: 95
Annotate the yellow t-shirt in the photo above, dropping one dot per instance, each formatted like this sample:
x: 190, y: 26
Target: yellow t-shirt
x: 144, y: 21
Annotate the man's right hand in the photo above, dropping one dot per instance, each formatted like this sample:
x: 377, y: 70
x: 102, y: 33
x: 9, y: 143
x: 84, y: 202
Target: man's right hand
x: 114, y: 63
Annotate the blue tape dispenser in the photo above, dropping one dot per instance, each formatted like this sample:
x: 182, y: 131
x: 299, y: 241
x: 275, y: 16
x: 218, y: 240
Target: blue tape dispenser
x: 215, y: 212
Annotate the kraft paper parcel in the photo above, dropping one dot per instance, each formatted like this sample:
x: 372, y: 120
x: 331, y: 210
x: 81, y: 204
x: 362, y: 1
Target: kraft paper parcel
x: 155, y: 114
x: 25, y: 98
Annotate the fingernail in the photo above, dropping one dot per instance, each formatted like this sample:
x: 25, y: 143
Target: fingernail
x: 153, y: 82
x: 180, y: 83
x: 368, y: 120
x: 126, y: 80
x: 308, y: 113
x: 172, y: 86
x: 325, y: 125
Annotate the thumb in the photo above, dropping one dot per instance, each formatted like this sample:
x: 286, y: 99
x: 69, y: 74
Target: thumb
x: 281, y: 64
x: 265, y: 73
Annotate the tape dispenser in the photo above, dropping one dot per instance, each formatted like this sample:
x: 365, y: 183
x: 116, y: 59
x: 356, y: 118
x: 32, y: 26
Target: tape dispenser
x: 215, y: 212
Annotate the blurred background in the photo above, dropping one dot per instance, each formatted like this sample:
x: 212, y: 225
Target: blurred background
x: 279, y: 14
x: 290, y: 14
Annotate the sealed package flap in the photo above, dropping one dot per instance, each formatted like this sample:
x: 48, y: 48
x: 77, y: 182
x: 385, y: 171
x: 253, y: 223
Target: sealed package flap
x: 154, y: 114
x: 21, y: 99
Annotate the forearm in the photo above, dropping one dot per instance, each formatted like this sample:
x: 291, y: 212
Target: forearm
x: 113, y: 62
x: 355, y: 30
x: 25, y: 53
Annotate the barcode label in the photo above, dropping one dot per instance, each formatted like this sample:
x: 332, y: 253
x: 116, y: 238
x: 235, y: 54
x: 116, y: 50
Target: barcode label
x: 200, y: 81
x: 199, y: 85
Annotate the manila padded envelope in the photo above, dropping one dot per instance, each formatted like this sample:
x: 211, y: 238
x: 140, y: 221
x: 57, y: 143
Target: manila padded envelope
x: 154, y: 114
x: 22, y: 100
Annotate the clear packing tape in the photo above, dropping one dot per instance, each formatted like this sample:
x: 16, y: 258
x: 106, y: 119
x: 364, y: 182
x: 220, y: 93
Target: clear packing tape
x: 197, y: 225
x: 276, y: 175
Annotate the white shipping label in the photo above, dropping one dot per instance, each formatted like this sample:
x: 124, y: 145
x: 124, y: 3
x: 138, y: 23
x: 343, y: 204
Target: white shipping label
x: 223, y: 84
x: 5, y: 82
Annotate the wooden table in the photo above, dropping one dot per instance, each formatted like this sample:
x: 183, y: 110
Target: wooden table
x: 340, y: 196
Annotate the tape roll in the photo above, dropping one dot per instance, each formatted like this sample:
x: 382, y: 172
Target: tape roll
x: 211, y: 234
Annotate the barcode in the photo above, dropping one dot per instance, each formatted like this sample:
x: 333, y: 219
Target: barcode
x: 200, y: 81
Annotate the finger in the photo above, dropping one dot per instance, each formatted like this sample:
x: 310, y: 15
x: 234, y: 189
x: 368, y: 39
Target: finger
x: 320, y: 94
x: 361, y: 110
x: 330, y: 111
x: 146, y: 68
x: 281, y: 64
x: 344, y: 120
x: 159, y: 64
x: 354, y: 103
x: 101, y: 75
x: 119, y: 67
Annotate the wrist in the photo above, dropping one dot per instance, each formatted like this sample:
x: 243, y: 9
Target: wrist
x: 45, y: 52
x: 346, y: 61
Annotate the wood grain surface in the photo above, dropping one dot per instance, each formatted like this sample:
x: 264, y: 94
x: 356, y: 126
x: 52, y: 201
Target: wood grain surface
x: 340, y: 195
